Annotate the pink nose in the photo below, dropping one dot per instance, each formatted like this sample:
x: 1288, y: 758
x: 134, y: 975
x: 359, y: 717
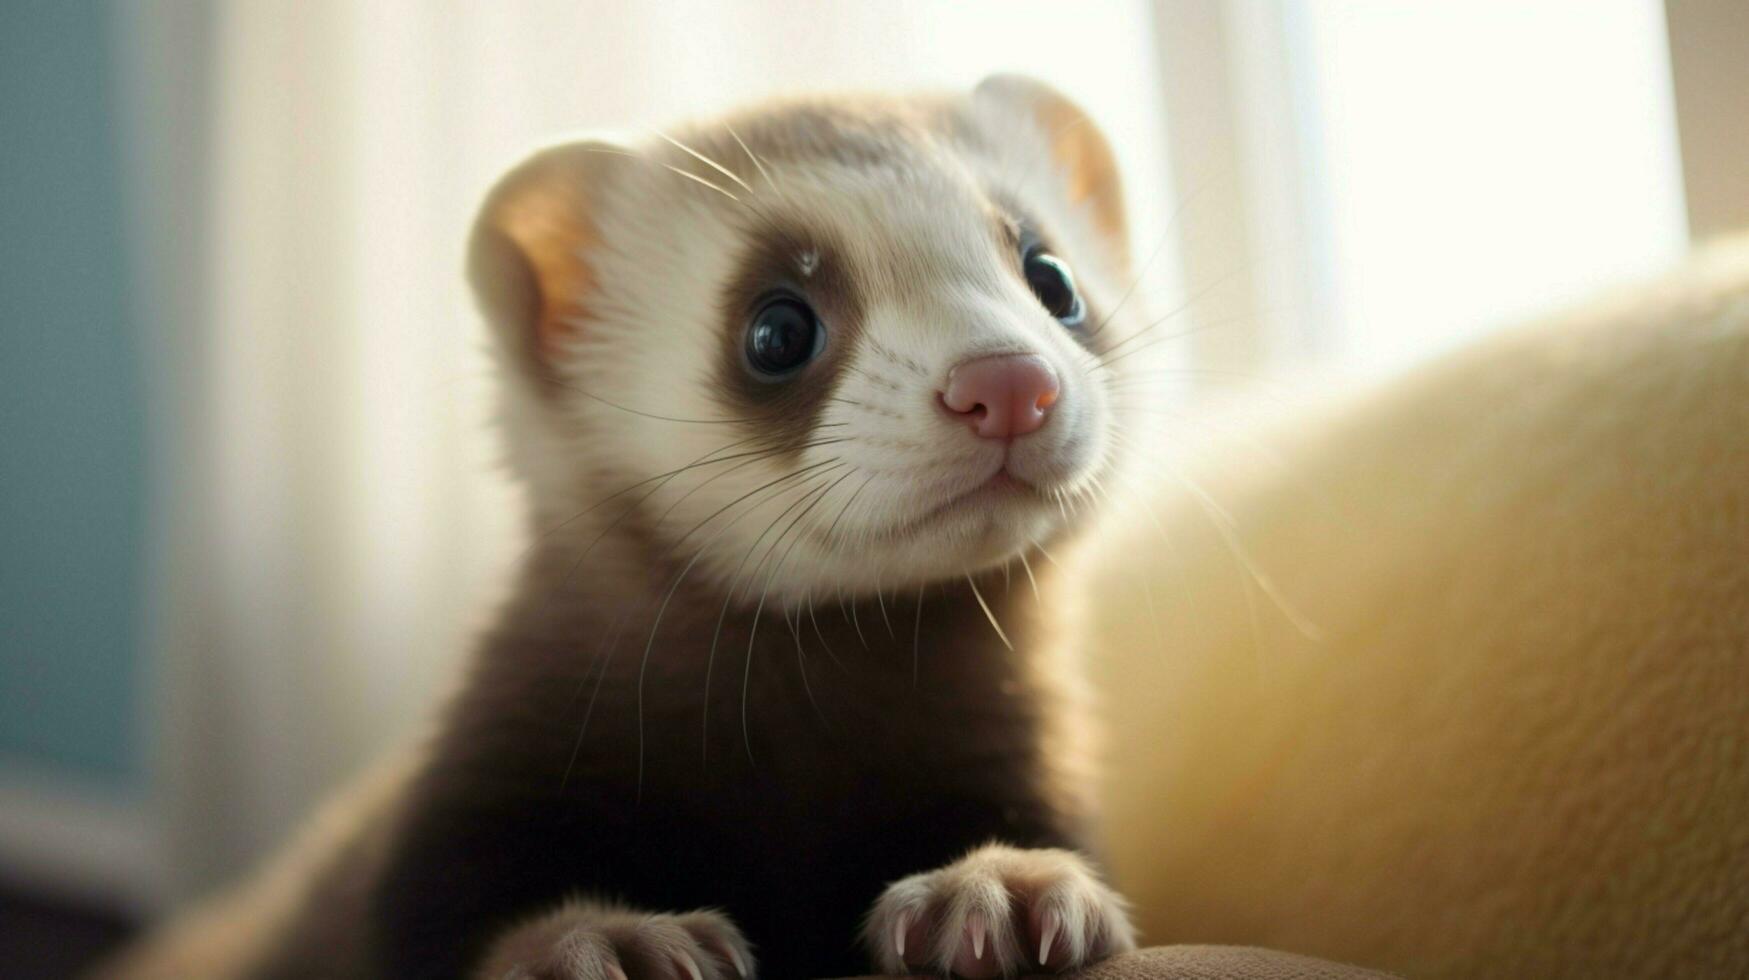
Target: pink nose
x: 1002, y: 397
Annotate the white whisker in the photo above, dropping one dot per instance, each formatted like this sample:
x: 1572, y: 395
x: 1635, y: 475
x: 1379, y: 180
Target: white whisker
x: 751, y: 155
x: 707, y: 161
x: 1224, y: 523
x: 689, y: 175
x: 1030, y: 578
x: 988, y: 614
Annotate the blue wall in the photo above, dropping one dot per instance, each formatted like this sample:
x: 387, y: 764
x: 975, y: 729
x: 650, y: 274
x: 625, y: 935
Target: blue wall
x: 72, y: 427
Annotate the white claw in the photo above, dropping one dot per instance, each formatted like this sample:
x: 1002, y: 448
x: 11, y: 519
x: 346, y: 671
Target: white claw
x: 1048, y: 925
x: 899, y: 929
x: 975, y: 925
x: 740, y: 964
x: 614, y: 972
x: 690, y: 965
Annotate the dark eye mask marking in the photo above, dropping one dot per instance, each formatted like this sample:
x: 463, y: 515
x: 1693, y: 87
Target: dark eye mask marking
x: 783, y: 264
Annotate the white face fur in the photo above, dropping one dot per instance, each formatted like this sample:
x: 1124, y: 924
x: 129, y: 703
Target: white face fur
x: 902, y: 227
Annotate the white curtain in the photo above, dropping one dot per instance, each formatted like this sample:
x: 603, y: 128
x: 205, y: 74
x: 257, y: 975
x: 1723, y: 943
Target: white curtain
x: 337, y: 526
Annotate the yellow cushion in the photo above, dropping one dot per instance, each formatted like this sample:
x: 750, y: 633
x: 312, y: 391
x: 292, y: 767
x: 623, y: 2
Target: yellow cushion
x: 1510, y: 734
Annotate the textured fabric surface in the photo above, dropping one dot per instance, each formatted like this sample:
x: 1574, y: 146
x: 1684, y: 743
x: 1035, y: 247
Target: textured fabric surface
x: 1456, y: 682
x: 1217, y: 963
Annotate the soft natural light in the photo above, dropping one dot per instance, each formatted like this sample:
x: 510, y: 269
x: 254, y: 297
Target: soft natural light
x: 1472, y: 163
x: 1303, y: 442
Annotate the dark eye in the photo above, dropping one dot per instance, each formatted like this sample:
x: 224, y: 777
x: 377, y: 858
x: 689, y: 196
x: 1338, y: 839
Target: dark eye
x: 783, y: 337
x: 1054, y: 286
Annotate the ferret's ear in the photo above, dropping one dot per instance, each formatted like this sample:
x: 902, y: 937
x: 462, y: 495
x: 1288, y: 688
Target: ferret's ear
x: 1077, y: 147
x: 529, y: 257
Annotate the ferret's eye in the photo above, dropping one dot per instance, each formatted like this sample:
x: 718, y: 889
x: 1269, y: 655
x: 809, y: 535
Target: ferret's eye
x: 783, y: 337
x: 1054, y: 286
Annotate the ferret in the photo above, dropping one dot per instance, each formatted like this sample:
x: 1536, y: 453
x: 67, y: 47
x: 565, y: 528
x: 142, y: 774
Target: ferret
x: 805, y: 400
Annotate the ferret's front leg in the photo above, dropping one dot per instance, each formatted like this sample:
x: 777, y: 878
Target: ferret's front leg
x: 591, y: 941
x: 997, y: 912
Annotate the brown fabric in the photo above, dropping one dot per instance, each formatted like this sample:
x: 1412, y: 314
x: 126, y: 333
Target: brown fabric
x: 1217, y: 963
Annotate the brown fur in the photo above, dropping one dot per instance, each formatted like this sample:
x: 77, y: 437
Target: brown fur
x: 953, y: 720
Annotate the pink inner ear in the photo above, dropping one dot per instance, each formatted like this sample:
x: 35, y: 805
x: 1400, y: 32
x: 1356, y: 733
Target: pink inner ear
x: 549, y: 224
x: 1086, y: 162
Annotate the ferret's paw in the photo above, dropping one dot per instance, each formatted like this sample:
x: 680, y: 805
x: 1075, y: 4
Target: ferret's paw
x: 592, y: 942
x: 997, y: 912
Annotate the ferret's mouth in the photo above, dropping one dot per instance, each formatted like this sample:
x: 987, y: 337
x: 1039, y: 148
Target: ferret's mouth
x: 1000, y: 493
x: 1000, y: 489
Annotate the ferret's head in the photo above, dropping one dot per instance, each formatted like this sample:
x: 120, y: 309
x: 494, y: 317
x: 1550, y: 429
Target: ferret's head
x: 820, y: 347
